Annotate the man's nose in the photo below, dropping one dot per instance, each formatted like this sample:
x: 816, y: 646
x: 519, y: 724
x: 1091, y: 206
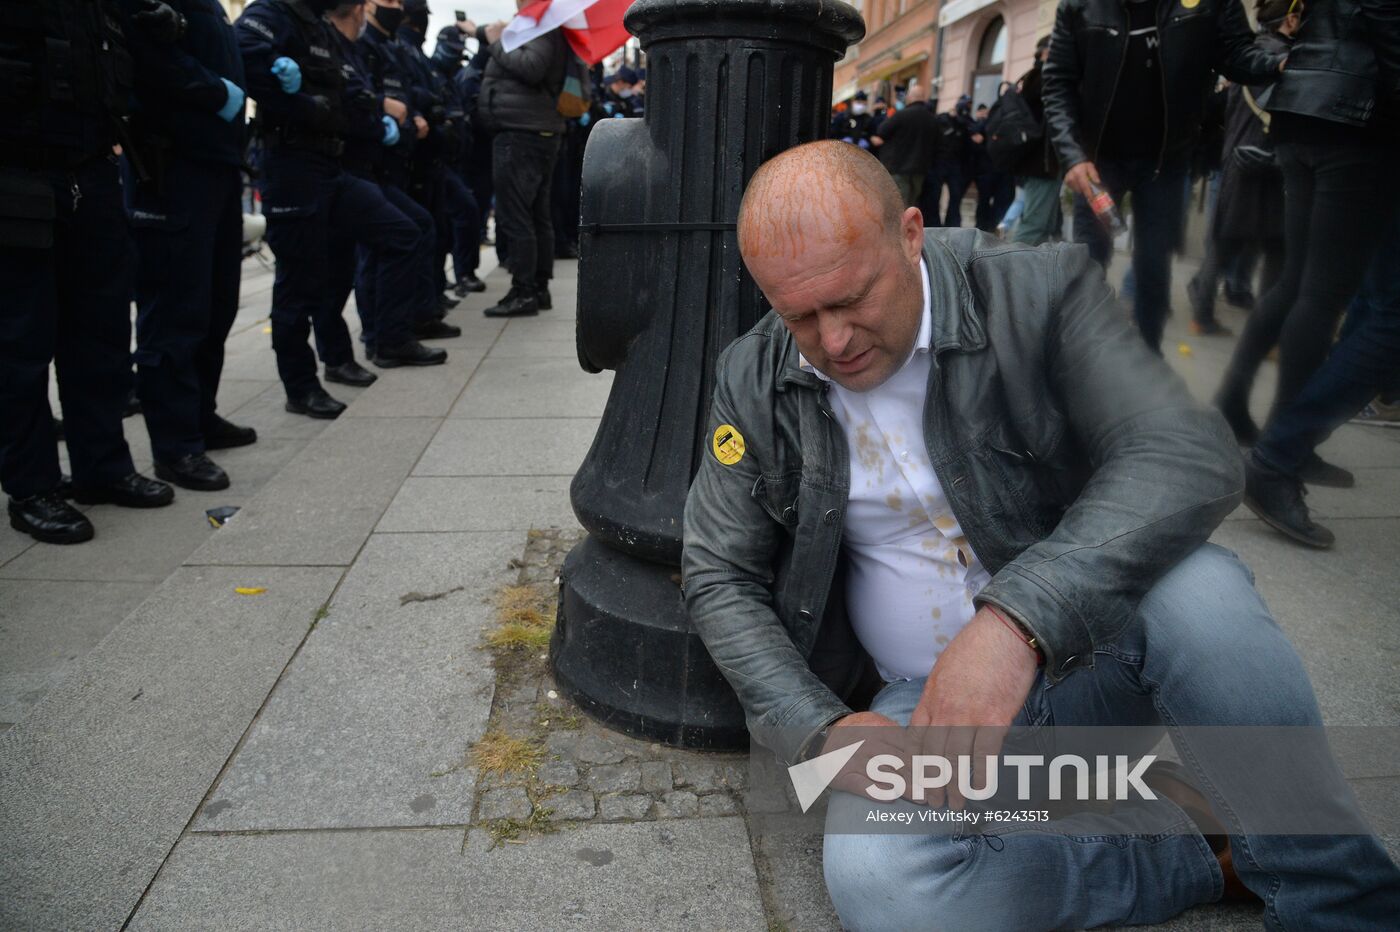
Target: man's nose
x: 835, y: 334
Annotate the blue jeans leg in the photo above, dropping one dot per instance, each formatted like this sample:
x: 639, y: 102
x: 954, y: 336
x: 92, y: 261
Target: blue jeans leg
x: 1201, y: 650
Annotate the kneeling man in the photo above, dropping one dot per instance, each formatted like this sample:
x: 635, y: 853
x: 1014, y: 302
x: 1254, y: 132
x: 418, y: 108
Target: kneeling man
x: 960, y: 453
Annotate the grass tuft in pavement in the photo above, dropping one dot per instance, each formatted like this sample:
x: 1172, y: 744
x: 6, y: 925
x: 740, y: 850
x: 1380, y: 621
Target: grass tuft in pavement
x: 500, y: 754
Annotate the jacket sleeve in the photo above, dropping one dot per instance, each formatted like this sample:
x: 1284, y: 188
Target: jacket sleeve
x: 1237, y: 56
x: 1383, y: 28
x: 260, y: 44
x: 1060, y: 88
x: 529, y: 64
x: 1166, y: 472
x: 171, y: 74
x: 728, y: 564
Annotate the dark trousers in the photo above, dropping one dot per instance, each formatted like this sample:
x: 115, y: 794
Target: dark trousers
x: 189, y: 236
x: 1364, y: 362
x: 1226, y: 255
x: 301, y: 241
x: 995, y: 192
x: 479, y: 176
x: 69, y: 304
x: 463, y: 238
x: 568, y: 189
x: 1158, y: 206
x: 944, y: 173
x: 428, y: 189
x: 524, y: 170
x: 1331, y: 225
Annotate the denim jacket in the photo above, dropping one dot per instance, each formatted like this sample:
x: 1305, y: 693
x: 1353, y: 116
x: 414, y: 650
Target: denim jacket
x: 1075, y: 461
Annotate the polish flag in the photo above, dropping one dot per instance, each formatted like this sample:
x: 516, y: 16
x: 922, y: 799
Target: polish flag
x: 593, y: 27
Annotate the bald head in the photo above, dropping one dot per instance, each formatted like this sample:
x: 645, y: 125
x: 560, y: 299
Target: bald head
x: 826, y: 237
x: 821, y: 192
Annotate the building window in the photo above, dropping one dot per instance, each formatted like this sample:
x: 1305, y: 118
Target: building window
x: 991, y: 54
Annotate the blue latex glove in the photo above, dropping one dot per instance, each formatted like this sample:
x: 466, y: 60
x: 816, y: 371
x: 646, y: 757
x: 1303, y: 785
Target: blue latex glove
x: 288, y: 74
x: 585, y: 119
x: 234, y: 105
x: 391, y: 130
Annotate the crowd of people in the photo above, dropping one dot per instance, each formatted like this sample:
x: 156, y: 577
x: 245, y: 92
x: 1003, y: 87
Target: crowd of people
x: 1288, y: 154
x: 125, y: 172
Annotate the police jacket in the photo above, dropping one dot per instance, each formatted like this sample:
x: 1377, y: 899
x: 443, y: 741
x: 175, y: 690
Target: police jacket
x: 364, y: 114
x: 387, y: 61
x: 178, y: 89
x: 311, y: 119
x: 65, y: 76
x: 1075, y: 461
x: 520, y: 90
x: 1345, y: 66
x: 908, y: 140
x: 1090, y: 43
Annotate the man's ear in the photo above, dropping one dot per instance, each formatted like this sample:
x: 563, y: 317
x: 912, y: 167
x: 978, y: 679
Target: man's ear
x: 911, y: 233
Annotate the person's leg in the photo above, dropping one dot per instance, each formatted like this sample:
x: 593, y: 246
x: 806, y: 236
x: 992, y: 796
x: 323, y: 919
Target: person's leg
x: 226, y: 272
x: 517, y: 178
x: 175, y: 236
x: 1157, y: 207
x: 333, y: 343
x: 1261, y: 331
x: 424, y: 299
x: 301, y: 242
x: 904, y: 184
x: 363, y: 212
x: 92, y: 358
x: 466, y: 222
x: 28, y: 332
x: 926, y: 199
x: 541, y: 217
x: 957, y: 187
x: 1340, y: 242
x: 1038, y: 218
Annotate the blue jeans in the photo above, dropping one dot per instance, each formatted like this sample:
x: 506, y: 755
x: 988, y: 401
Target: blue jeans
x: 1201, y: 650
x: 1364, y: 362
x: 1156, y: 218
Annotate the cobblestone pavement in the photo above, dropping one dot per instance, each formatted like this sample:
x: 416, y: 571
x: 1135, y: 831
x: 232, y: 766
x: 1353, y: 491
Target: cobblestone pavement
x: 355, y: 744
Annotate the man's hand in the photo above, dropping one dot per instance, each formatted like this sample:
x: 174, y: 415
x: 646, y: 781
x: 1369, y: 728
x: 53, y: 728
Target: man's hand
x: 466, y: 27
x: 977, y: 138
x: 1080, y: 175
x: 288, y: 74
x: 494, y: 30
x: 876, y: 141
x: 396, y: 109
x: 420, y: 126
x: 159, y: 21
x: 980, y: 681
x: 856, y: 727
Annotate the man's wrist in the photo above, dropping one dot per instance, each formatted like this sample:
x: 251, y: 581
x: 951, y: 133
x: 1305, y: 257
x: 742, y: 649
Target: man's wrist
x: 1021, y: 631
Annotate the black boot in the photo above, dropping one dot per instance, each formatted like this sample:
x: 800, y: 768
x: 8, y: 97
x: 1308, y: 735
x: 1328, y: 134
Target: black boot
x: 469, y: 284
x: 46, y: 517
x: 408, y: 353
x: 432, y: 330
x: 315, y: 403
x: 518, y: 302
x: 1278, y: 500
x: 193, y: 471
x: 133, y: 491
x: 350, y: 373
x: 219, y: 434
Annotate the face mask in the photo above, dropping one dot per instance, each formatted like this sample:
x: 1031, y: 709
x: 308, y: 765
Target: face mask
x: 625, y: 93
x: 857, y: 109
x: 899, y: 105
x: 389, y: 18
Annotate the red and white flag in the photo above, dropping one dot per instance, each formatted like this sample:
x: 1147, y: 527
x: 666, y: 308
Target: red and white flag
x: 593, y: 27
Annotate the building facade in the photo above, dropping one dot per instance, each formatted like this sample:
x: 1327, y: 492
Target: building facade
x: 954, y: 47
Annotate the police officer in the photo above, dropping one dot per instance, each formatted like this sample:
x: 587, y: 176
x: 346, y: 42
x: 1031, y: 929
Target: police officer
x: 293, y: 69
x: 462, y: 210
x: 392, y: 73
x: 187, y: 221
x: 66, y: 259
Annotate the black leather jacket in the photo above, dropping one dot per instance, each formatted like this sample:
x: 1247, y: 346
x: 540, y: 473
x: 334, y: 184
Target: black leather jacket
x: 1075, y: 461
x: 1087, y: 50
x: 1345, y: 65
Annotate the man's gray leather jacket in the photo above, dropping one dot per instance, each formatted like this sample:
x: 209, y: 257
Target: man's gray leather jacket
x: 1076, y: 462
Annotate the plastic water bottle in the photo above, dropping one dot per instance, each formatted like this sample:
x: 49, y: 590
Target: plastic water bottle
x: 1101, y: 202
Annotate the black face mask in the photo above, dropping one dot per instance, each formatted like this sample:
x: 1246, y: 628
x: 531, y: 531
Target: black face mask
x: 320, y: 7
x: 388, y: 18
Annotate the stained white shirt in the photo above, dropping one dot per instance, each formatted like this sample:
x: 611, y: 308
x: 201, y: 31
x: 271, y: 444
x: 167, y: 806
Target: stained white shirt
x: 912, y: 575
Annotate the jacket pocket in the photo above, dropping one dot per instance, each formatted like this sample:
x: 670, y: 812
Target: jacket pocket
x: 26, y: 210
x: 779, y: 495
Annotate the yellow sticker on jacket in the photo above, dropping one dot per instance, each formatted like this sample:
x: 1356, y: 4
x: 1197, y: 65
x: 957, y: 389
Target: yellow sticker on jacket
x: 728, y: 444
x: 1190, y: 4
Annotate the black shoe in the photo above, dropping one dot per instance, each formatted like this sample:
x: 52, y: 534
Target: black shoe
x: 135, y: 491
x: 409, y: 353
x: 567, y: 251
x: 543, y: 299
x: 516, y: 303
x: 433, y: 330
x: 350, y: 373
x: 1317, y: 471
x: 1242, y: 299
x: 469, y: 284
x: 46, y: 517
x: 446, y: 304
x: 219, y: 434
x: 1278, y: 500
x: 133, y: 405
x: 193, y: 471
x: 316, y: 403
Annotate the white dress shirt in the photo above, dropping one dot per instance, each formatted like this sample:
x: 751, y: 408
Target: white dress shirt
x: 912, y: 574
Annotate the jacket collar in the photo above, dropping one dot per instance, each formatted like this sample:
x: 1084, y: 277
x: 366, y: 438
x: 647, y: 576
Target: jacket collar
x: 957, y: 323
